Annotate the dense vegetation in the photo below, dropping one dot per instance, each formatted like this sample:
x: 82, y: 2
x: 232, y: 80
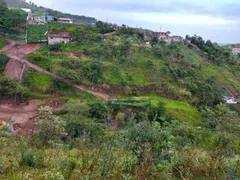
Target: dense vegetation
x: 3, y: 42
x: 148, y: 144
x: 213, y: 52
x: 11, y: 20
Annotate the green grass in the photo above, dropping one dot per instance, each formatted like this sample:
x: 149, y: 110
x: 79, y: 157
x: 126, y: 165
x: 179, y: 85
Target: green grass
x: 44, y: 86
x: 36, y: 33
x: 179, y: 110
x: 3, y: 43
x: 60, y: 27
x: 224, y: 74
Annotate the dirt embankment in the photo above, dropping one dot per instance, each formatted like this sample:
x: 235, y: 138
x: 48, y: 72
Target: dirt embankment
x: 22, y: 114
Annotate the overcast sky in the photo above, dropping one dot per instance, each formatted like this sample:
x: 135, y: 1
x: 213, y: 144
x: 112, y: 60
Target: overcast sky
x: 217, y: 20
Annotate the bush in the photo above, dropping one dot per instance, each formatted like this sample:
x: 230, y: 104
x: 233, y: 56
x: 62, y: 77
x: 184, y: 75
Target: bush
x: 31, y: 157
x: 3, y: 61
x: 55, y: 47
x: 98, y: 111
x: 66, y: 166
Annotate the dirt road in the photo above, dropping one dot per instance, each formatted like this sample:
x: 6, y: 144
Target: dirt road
x: 18, y: 51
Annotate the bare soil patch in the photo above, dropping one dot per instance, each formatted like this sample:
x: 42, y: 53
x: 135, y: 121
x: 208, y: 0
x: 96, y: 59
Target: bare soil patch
x: 22, y: 114
x: 13, y: 69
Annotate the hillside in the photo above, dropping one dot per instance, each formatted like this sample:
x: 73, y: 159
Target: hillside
x: 111, y: 106
x: 233, y: 46
x: 34, y: 7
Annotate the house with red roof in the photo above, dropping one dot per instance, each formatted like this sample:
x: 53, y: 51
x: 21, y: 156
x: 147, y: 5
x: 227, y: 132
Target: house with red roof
x: 236, y: 51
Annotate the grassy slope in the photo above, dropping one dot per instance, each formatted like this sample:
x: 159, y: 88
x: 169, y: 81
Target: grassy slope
x: 144, y: 70
x: 180, y: 110
x: 43, y: 86
x: 36, y: 33
x: 3, y: 42
x: 224, y: 74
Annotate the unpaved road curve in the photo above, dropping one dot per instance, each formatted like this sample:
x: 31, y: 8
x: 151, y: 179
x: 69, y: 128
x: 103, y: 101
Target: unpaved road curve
x: 18, y: 51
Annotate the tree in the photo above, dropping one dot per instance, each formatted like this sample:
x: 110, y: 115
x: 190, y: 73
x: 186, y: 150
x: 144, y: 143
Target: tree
x: 238, y: 55
x: 94, y: 72
x: 98, y: 111
x: 48, y: 126
x: 157, y: 113
x: 168, y: 32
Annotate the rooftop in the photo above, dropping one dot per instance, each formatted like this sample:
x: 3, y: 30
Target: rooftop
x: 59, y: 34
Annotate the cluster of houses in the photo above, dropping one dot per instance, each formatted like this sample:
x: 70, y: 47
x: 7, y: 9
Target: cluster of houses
x: 44, y: 17
x: 162, y: 36
x: 236, y: 51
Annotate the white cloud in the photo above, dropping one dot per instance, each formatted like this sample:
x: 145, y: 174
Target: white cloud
x: 188, y: 19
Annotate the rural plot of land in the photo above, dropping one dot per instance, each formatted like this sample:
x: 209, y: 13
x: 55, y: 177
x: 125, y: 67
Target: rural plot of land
x: 36, y: 33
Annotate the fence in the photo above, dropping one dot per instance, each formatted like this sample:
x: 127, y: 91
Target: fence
x: 129, y: 103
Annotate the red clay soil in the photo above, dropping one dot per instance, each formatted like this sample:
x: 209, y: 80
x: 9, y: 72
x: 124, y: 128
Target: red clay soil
x: 13, y: 69
x: 22, y: 114
x: 20, y: 50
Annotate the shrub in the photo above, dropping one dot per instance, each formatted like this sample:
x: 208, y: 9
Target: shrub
x: 48, y: 126
x: 66, y: 166
x: 98, y: 111
x: 31, y: 158
x: 3, y: 61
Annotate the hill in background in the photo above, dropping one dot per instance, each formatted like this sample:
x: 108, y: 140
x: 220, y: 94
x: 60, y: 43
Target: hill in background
x: 34, y: 7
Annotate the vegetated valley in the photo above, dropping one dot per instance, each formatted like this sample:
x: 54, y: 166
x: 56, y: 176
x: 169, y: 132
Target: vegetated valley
x: 108, y: 105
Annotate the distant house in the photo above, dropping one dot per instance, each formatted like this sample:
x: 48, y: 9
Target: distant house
x: 169, y: 39
x: 50, y: 18
x: 59, y: 37
x: 27, y: 10
x: 162, y: 36
x: 65, y: 20
x: 148, y: 37
x: 236, y: 51
x: 177, y: 38
x: 36, y: 18
x: 230, y: 100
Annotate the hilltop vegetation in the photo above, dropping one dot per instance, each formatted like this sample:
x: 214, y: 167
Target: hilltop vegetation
x: 11, y: 20
x: 120, y: 62
x: 34, y: 7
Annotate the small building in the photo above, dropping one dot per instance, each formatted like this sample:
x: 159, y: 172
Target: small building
x: 148, y: 37
x: 230, y: 100
x: 162, y: 36
x: 59, y: 37
x: 36, y: 18
x: 177, y: 38
x: 50, y: 18
x: 65, y: 20
x: 236, y: 51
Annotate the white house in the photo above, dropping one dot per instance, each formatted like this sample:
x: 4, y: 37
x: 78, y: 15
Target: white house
x: 230, y: 100
x: 27, y: 10
x: 59, y: 37
x: 65, y: 20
